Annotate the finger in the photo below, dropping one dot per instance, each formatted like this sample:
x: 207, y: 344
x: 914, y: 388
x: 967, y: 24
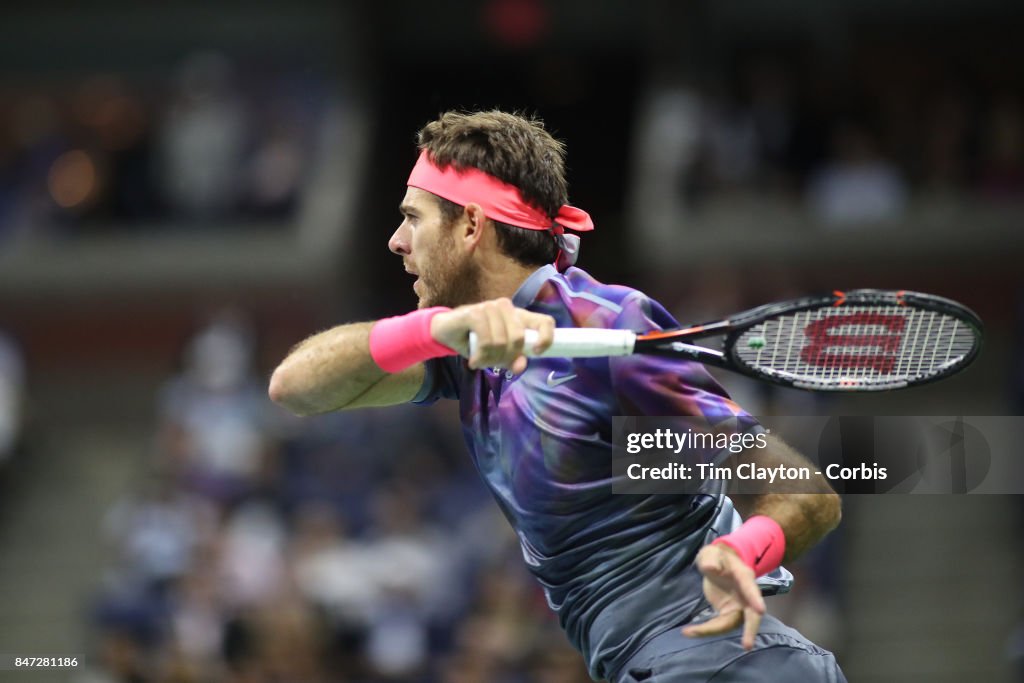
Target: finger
x: 494, y: 349
x: 481, y: 324
x: 750, y: 592
x: 514, y: 330
x: 545, y: 326
x: 714, y: 626
x: 519, y: 365
x: 729, y: 566
x: 751, y: 623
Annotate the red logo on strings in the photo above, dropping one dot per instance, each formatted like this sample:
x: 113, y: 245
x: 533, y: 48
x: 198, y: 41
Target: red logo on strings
x: 823, y: 339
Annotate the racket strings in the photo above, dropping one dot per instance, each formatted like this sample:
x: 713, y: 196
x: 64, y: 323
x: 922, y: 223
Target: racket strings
x: 857, y: 345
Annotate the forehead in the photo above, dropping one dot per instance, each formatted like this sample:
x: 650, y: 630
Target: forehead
x: 420, y: 200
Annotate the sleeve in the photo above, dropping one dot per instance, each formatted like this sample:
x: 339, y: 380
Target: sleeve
x: 656, y: 386
x: 440, y: 380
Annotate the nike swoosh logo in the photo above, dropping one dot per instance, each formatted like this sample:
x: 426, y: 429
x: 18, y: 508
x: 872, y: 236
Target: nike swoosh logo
x: 757, y: 560
x: 554, y: 382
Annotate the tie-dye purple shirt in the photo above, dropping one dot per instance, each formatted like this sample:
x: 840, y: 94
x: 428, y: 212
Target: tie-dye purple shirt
x: 618, y: 569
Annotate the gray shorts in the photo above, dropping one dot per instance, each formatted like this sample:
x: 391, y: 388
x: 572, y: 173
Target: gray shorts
x: 780, y: 654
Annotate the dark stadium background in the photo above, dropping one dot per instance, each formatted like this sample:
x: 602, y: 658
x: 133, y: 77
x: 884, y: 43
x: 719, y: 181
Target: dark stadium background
x: 188, y: 189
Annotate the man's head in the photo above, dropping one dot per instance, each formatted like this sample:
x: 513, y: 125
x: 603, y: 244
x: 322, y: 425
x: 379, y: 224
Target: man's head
x: 448, y: 244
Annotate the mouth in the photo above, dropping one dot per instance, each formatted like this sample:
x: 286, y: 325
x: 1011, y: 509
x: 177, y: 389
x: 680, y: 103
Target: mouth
x: 412, y: 272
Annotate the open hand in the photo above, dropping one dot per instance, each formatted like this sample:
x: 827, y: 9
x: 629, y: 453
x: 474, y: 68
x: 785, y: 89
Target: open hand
x: 731, y: 588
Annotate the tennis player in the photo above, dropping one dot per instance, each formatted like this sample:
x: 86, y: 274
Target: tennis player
x: 649, y: 588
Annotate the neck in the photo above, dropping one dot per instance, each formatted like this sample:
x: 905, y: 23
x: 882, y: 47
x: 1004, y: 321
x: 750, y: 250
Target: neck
x: 503, y: 278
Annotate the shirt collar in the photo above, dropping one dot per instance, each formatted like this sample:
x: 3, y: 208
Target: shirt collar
x: 527, y: 291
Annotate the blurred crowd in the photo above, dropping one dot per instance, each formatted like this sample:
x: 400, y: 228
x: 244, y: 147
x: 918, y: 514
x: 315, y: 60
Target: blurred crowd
x: 201, y: 146
x: 794, y: 130
x: 351, y: 547
x: 216, y: 142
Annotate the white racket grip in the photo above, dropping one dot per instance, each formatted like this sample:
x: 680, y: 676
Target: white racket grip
x: 577, y: 342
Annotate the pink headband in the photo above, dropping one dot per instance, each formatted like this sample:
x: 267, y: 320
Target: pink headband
x: 501, y: 202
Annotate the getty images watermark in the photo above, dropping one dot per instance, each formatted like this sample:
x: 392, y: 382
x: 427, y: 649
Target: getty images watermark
x: 906, y: 454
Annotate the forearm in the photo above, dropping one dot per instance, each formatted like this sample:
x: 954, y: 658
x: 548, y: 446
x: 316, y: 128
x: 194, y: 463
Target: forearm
x: 778, y: 527
x: 805, y: 518
x: 335, y: 370
x: 806, y: 514
x: 327, y: 371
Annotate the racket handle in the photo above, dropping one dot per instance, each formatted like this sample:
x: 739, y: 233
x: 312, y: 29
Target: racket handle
x: 577, y: 342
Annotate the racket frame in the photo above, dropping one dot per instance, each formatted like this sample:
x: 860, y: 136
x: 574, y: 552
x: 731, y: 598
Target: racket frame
x: 671, y: 342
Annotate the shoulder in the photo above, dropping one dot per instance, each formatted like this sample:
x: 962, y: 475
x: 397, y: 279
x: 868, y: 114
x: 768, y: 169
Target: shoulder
x: 593, y: 303
x: 612, y: 305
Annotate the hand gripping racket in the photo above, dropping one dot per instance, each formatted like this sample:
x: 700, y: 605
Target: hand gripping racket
x: 860, y: 340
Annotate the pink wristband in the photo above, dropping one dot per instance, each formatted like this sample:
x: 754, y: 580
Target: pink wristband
x: 399, y: 342
x: 759, y: 542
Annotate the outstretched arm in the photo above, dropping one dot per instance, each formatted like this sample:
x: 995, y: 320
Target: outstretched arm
x: 804, y: 516
x: 335, y: 370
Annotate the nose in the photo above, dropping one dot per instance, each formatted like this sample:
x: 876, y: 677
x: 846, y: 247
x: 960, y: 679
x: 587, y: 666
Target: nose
x: 399, y: 242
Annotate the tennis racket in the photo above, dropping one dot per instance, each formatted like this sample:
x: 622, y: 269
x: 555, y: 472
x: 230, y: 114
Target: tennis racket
x: 859, y: 340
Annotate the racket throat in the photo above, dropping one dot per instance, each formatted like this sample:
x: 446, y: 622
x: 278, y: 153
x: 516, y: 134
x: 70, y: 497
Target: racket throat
x: 678, y: 349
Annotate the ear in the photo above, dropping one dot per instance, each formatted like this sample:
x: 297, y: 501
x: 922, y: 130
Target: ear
x: 473, y: 226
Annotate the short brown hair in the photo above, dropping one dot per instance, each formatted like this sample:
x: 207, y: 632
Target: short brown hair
x: 514, y: 149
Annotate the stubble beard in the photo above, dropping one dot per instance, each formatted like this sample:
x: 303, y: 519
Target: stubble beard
x: 448, y: 282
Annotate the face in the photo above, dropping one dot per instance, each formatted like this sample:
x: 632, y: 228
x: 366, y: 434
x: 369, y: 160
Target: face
x: 430, y: 250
